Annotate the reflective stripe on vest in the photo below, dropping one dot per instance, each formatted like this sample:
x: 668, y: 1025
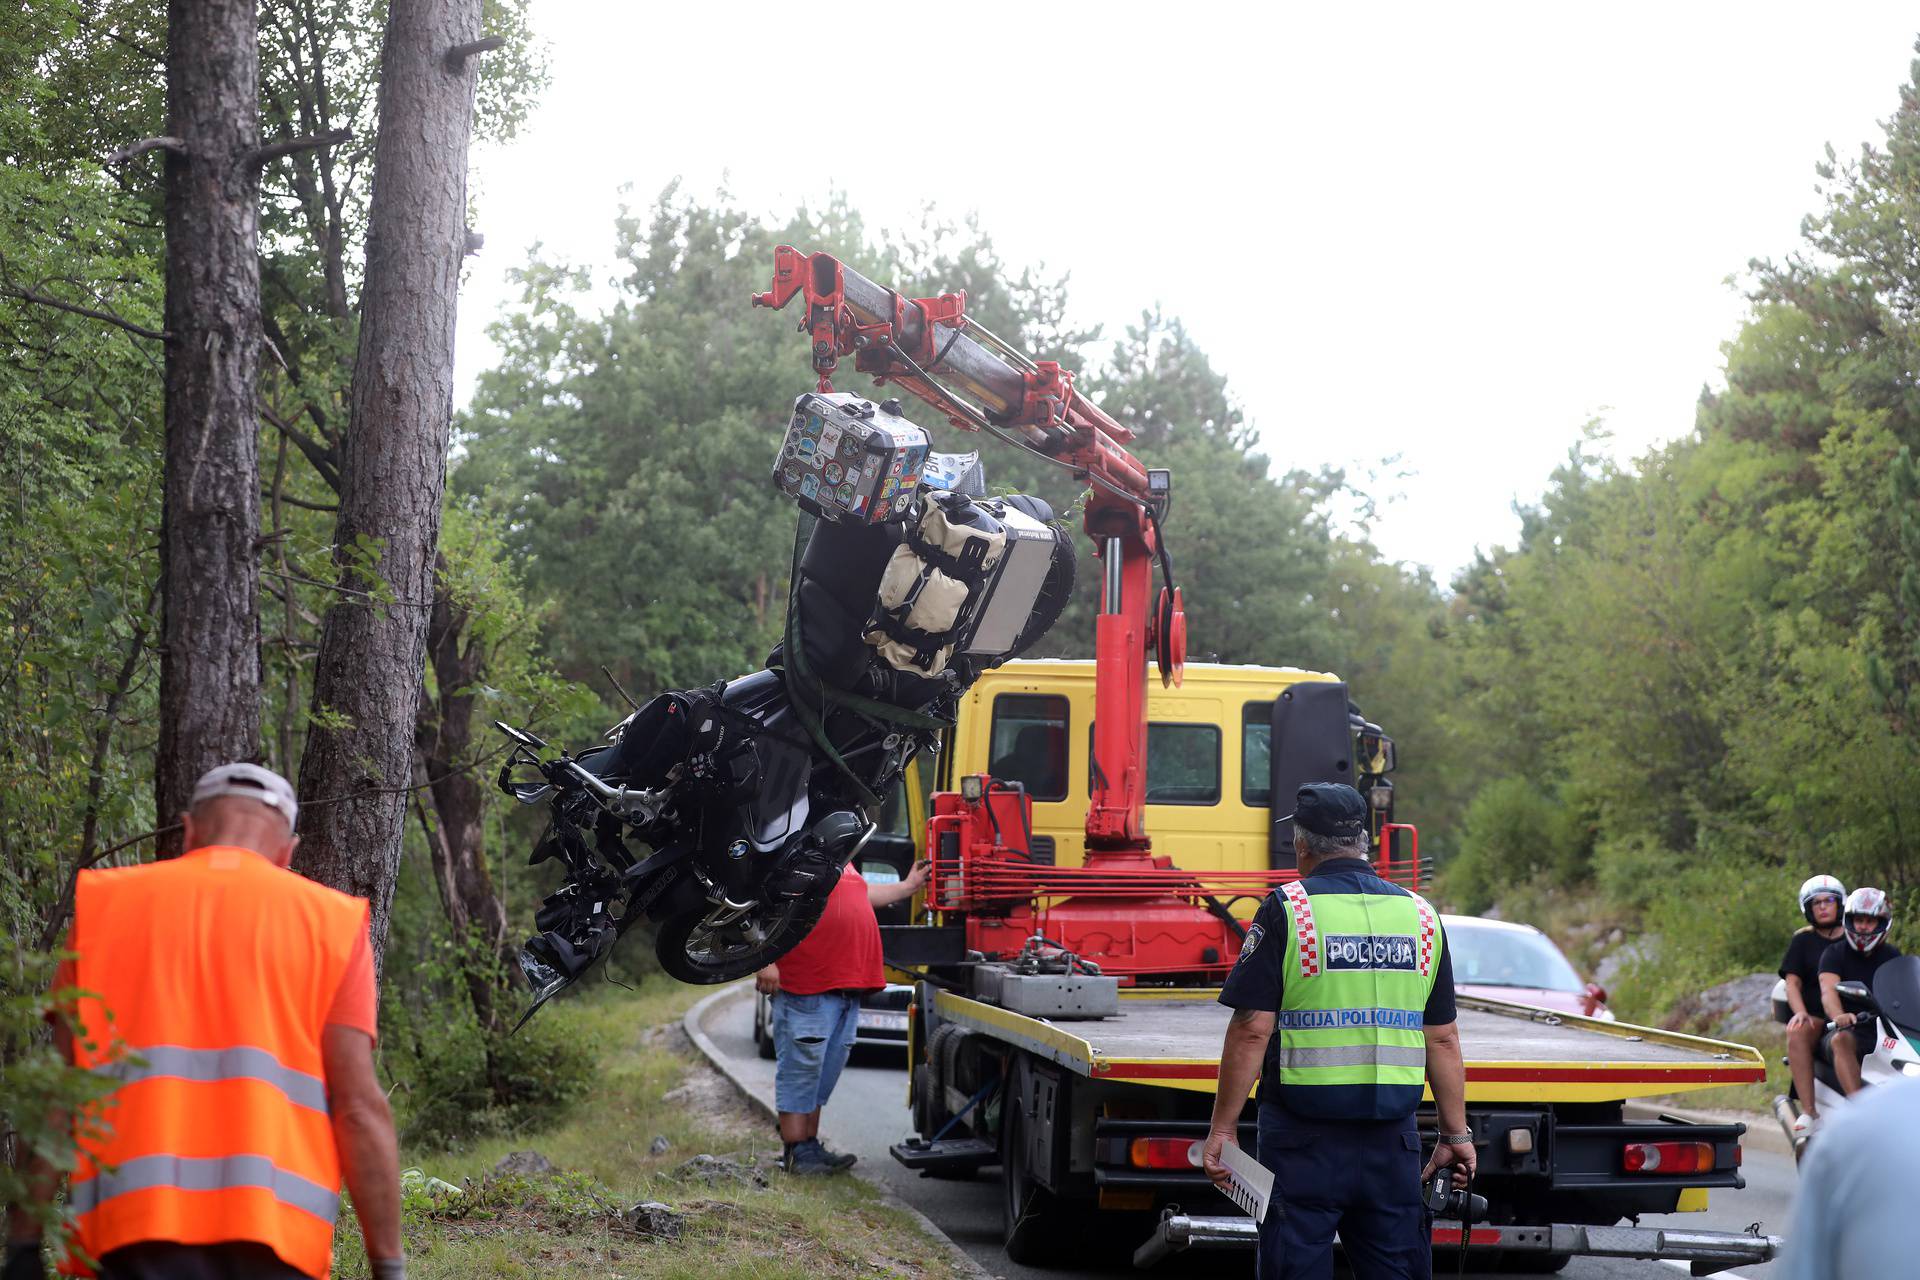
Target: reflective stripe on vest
x: 241, y: 1062
x: 1354, y: 1055
x: 206, y: 1173
x: 1350, y: 1041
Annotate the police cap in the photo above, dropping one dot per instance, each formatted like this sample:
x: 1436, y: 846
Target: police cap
x: 1331, y: 809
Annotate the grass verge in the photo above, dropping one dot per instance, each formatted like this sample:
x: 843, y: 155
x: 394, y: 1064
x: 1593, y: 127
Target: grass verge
x: 571, y: 1225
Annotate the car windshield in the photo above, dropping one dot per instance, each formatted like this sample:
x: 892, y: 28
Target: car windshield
x: 1508, y: 958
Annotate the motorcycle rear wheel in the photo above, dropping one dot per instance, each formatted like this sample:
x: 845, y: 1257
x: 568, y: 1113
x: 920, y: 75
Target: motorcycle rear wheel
x: 696, y: 949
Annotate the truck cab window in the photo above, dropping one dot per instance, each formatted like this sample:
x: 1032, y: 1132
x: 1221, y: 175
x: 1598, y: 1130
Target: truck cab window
x: 1183, y: 763
x: 1256, y: 754
x: 1029, y: 743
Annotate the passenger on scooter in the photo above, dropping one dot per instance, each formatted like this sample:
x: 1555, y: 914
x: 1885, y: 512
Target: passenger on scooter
x: 1854, y: 958
x: 1820, y: 899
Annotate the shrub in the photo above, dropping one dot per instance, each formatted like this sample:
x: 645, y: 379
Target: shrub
x: 472, y: 1084
x: 1516, y: 830
x: 1715, y: 918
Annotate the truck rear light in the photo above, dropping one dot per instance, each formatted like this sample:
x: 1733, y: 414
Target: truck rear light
x: 1667, y: 1157
x: 1164, y: 1153
x: 1519, y: 1141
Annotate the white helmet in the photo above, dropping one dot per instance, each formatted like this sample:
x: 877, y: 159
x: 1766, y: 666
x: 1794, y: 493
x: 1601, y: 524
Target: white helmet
x: 1872, y: 904
x: 1814, y: 887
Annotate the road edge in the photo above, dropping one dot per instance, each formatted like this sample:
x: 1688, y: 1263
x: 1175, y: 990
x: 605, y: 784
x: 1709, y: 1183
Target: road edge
x: 690, y: 1023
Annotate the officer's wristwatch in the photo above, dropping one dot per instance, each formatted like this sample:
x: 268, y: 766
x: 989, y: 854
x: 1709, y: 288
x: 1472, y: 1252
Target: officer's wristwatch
x: 1456, y: 1139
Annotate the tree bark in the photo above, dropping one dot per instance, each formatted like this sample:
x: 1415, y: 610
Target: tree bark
x: 210, y: 515
x: 445, y: 740
x: 393, y: 466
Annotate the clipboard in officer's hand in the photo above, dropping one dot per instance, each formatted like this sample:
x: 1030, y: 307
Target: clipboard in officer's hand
x: 1249, y: 1183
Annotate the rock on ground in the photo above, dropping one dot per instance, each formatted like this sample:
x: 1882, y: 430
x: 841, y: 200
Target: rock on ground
x: 714, y: 1170
x: 651, y: 1218
x: 1739, y: 1009
x: 527, y: 1164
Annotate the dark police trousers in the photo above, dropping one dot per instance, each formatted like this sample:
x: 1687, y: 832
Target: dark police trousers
x: 1360, y: 1178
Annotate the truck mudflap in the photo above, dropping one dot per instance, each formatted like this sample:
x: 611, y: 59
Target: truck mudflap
x: 1706, y: 1251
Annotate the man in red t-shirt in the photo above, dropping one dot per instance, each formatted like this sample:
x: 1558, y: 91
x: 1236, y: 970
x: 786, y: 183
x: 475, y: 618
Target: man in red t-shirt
x: 816, y: 990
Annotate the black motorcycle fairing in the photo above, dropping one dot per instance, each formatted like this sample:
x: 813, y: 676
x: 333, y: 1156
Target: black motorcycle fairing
x: 1896, y: 989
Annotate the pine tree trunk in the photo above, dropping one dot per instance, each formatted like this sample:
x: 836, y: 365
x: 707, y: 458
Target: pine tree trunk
x: 368, y: 670
x: 210, y: 615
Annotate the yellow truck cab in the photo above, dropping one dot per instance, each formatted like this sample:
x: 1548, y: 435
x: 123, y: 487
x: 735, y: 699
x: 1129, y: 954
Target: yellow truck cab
x: 1210, y: 767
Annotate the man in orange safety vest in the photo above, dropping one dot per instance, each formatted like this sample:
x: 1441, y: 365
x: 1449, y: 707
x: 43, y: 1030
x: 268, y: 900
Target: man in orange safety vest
x: 232, y: 1002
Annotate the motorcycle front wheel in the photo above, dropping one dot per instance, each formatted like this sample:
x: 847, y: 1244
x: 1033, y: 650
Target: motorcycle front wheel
x: 716, y: 944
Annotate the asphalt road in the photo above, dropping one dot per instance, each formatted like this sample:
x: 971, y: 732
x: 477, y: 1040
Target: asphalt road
x: 868, y: 1113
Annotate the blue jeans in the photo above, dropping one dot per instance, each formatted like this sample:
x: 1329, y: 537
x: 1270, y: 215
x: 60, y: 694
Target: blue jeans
x: 812, y: 1036
x: 1360, y: 1178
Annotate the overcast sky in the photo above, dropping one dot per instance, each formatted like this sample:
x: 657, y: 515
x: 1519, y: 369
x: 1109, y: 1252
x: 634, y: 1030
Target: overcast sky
x: 1452, y: 234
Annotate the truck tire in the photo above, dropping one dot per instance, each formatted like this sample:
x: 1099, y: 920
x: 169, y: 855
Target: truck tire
x: 923, y: 1122
x: 763, y: 1027
x: 1039, y: 1227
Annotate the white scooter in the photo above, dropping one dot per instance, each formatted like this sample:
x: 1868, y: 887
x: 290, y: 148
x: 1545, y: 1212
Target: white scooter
x: 1893, y: 1008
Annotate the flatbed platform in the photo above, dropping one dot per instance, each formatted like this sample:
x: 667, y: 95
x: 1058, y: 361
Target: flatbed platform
x: 1514, y: 1053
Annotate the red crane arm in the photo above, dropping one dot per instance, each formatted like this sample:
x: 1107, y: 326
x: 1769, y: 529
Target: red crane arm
x: 931, y: 349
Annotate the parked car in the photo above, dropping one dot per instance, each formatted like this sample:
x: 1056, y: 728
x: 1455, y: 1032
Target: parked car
x: 884, y: 859
x: 1504, y: 961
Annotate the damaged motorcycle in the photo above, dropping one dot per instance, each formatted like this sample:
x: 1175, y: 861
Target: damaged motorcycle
x: 724, y: 815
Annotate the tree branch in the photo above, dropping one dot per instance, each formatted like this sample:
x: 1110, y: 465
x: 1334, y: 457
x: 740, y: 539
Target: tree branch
x: 260, y: 157
x: 318, y: 454
x: 140, y: 148
x: 41, y: 299
x: 456, y: 59
x: 292, y: 501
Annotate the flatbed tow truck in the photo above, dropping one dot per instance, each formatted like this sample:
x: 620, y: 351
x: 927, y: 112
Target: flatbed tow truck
x: 1065, y: 1028
x: 1096, y: 1125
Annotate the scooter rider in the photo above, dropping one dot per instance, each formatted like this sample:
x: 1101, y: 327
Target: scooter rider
x: 1820, y: 899
x: 1855, y: 958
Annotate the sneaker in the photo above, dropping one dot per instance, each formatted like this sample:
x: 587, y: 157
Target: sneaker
x: 838, y: 1159
x: 1804, y: 1125
x: 808, y: 1159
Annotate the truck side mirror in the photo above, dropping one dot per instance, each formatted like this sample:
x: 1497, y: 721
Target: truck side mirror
x: 1374, y: 753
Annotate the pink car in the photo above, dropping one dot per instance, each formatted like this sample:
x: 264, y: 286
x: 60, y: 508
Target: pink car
x: 1517, y: 962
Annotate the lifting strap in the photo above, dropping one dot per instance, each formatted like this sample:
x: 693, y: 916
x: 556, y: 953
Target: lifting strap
x: 813, y: 698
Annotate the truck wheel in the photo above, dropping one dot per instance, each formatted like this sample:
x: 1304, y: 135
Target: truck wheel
x: 762, y: 1027
x: 923, y: 1122
x: 1039, y: 1227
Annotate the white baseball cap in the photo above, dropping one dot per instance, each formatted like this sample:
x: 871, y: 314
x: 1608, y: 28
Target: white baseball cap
x: 253, y: 782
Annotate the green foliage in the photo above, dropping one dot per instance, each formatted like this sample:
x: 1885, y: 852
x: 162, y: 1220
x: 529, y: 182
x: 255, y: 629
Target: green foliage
x: 1716, y: 918
x: 461, y: 1079
x: 469, y: 1083
x: 38, y: 1091
x: 1515, y: 832
x: 1691, y: 683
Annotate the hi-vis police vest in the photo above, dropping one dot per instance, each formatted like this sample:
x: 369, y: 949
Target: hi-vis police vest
x: 209, y: 978
x: 1359, y: 969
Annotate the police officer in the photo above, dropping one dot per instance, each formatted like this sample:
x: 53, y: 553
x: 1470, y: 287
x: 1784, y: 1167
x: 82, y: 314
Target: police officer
x: 1354, y: 973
